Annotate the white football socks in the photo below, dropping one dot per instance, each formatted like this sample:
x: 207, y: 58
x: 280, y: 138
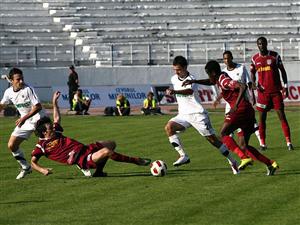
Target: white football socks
x: 224, y: 151
x: 175, y: 142
x: 19, y: 156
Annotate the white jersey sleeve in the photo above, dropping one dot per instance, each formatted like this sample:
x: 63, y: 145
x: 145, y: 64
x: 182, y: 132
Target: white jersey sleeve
x: 239, y: 73
x: 5, y: 99
x: 246, y: 77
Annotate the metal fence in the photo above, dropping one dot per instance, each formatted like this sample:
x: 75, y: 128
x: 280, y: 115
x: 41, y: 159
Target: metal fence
x: 136, y: 54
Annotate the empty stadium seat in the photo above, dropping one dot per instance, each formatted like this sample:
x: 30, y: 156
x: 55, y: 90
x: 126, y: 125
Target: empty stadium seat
x: 86, y: 27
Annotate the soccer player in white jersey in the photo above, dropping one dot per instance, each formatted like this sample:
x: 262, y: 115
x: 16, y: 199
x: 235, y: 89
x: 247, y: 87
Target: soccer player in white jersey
x: 190, y: 113
x: 27, y: 103
x: 239, y: 73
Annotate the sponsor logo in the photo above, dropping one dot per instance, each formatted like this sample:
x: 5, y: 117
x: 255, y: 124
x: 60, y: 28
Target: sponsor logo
x: 129, y: 93
x: 51, y: 145
x: 23, y: 105
x: 264, y: 69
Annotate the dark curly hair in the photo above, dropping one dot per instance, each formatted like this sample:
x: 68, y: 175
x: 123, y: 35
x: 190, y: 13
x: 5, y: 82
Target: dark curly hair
x: 263, y: 39
x: 227, y: 52
x: 213, y: 66
x: 41, y: 126
x: 14, y: 71
x: 180, y: 60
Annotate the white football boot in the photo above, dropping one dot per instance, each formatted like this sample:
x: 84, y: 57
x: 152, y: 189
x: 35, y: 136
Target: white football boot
x: 23, y: 173
x: 234, y: 167
x: 86, y: 172
x: 184, y: 159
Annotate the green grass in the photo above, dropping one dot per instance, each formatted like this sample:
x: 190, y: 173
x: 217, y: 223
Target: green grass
x: 204, y: 192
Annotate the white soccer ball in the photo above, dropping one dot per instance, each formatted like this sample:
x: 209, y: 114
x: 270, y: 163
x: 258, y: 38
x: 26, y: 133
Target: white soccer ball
x: 158, y: 168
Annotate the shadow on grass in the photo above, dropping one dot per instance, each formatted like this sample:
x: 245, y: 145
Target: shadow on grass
x: 22, y: 202
x: 176, y: 172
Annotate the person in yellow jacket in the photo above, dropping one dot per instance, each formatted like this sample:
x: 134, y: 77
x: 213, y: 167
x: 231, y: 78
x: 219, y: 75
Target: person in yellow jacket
x: 122, y: 106
x: 150, y: 105
x: 81, y: 103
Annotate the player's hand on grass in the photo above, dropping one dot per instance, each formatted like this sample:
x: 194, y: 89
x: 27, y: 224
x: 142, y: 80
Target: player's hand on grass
x: 47, y: 171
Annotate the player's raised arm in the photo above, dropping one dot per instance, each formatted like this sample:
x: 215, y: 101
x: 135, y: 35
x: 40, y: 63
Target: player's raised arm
x: 56, y: 112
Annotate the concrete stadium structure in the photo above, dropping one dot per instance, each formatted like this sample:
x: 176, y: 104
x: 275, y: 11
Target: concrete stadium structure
x: 134, y: 41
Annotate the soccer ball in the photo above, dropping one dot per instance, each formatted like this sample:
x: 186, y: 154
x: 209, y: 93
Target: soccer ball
x: 158, y: 168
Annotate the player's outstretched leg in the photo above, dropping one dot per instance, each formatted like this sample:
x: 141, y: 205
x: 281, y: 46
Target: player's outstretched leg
x: 128, y: 159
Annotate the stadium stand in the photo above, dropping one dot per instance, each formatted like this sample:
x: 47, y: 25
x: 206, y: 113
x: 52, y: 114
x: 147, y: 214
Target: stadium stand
x: 142, y: 32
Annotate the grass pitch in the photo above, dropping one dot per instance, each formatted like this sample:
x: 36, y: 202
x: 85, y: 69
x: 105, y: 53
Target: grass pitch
x: 203, y: 192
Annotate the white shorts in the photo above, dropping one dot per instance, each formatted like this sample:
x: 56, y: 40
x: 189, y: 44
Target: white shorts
x: 200, y: 121
x: 22, y: 133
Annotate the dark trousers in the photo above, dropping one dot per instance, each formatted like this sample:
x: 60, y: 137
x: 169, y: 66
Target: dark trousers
x: 151, y: 111
x: 80, y: 107
x: 125, y: 111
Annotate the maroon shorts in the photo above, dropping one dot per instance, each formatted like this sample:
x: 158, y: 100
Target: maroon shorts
x: 243, y: 119
x: 84, y: 160
x: 265, y: 102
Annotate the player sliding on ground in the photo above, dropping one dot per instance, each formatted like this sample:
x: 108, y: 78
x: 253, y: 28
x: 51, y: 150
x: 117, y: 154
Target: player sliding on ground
x: 191, y: 113
x: 55, y: 146
x: 241, y: 114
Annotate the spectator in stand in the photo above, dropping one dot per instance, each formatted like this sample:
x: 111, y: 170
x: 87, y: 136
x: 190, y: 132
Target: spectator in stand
x: 81, y: 103
x: 73, y: 84
x: 267, y: 65
x: 150, y: 105
x: 122, y: 106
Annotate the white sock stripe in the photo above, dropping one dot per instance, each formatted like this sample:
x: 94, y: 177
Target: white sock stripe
x: 19, y: 152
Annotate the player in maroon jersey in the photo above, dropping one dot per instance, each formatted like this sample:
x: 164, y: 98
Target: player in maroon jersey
x: 241, y: 114
x: 55, y: 146
x: 267, y: 65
